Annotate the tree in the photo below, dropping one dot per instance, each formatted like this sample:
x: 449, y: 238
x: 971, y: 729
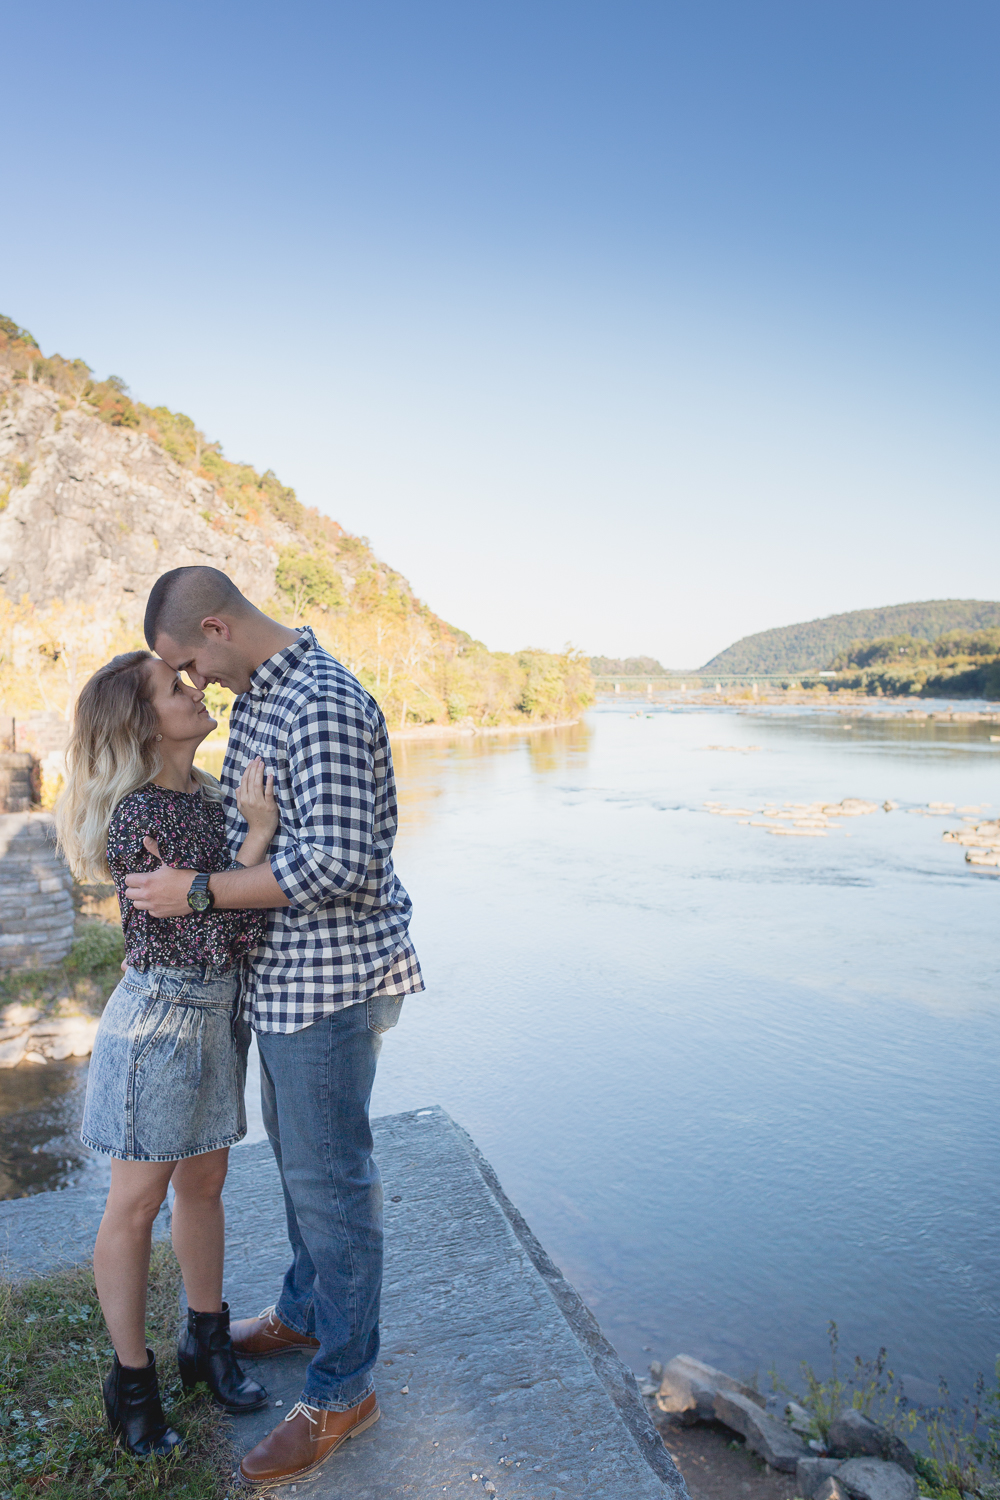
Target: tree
x: 307, y: 579
x: 15, y: 334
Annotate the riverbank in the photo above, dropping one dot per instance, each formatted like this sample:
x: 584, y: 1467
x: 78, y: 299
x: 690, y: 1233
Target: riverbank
x: 468, y: 730
x: 492, y: 1370
x: 494, y: 1378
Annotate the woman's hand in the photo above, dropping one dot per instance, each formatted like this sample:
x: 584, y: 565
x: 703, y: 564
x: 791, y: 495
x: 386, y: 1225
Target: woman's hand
x: 255, y: 800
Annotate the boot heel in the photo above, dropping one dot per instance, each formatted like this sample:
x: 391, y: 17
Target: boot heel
x: 188, y: 1368
x: 205, y: 1354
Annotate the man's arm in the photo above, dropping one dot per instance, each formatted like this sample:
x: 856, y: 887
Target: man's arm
x: 163, y: 893
x: 332, y: 786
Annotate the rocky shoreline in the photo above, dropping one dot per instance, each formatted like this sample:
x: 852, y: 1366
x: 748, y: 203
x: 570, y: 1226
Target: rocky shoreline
x: 856, y: 1458
x: 31, y: 1035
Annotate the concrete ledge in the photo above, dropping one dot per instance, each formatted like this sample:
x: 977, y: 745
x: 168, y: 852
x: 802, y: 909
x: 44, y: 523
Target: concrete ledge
x: 51, y: 1230
x: 487, y: 1351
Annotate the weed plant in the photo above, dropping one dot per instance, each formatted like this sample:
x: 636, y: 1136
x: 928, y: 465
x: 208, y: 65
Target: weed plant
x: 54, y: 1438
x: 962, y: 1441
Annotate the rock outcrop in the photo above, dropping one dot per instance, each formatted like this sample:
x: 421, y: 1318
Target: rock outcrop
x: 97, y: 513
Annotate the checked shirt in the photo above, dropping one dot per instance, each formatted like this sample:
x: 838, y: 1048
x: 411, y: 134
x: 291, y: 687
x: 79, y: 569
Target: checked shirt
x: 345, y: 935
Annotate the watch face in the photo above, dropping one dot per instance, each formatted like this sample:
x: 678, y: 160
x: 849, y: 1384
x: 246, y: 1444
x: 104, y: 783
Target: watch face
x: 199, y: 900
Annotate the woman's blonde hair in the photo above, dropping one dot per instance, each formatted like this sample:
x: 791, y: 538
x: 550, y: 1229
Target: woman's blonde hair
x: 111, y: 752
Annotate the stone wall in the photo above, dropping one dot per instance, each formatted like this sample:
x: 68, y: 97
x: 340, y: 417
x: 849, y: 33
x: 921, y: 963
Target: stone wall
x: 36, y: 901
x: 39, y: 733
x: 17, y: 783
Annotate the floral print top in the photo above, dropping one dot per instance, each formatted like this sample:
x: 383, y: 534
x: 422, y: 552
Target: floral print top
x: 191, y: 834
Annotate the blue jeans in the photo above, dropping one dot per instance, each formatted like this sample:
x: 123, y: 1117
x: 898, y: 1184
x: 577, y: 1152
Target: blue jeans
x: 315, y: 1086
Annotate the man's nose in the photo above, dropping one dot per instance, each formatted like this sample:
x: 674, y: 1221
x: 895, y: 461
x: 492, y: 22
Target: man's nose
x: 201, y: 683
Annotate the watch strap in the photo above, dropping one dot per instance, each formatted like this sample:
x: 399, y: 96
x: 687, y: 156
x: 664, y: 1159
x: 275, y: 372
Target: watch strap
x: 200, y: 885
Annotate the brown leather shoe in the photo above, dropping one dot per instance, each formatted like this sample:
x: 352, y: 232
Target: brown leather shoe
x: 265, y: 1335
x: 304, y: 1441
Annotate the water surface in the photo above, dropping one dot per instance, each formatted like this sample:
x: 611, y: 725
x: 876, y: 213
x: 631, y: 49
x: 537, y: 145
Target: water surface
x: 739, y: 1084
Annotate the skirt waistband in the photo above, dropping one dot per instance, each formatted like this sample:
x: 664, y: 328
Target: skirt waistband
x: 199, y: 984
x: 191, y: 971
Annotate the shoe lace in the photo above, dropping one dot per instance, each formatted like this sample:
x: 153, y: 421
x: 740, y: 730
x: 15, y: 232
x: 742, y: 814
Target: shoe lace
x: 300, y: 1408
x: 267, y: 1312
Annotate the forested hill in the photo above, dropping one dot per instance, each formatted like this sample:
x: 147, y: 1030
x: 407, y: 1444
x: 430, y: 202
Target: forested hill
x: 812, y: 645
x: 100, y: 494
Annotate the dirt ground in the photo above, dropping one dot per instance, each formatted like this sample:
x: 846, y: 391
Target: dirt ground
x: 717, y: 1465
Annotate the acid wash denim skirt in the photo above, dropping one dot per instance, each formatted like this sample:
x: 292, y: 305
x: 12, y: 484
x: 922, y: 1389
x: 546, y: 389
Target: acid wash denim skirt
x: 169, y: 1066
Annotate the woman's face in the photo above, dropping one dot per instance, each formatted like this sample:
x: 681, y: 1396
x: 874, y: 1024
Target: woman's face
x: 179, y: 707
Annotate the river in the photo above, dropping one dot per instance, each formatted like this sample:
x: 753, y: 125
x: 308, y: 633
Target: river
x: 739, y: 1084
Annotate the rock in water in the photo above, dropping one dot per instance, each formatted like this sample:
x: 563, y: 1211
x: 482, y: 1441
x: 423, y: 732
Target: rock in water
x: 874, y: 1479
x: 853, y: 1435
x: 776, y: 1443
x: 688, y: 1389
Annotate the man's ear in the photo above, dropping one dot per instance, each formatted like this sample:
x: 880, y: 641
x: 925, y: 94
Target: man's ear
x: 212, y: 625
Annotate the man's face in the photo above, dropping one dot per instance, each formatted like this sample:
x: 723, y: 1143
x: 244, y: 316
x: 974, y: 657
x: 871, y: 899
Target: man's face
x: 211, y: 656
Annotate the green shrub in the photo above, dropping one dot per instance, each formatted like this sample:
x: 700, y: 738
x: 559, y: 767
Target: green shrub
x: 98, y: 947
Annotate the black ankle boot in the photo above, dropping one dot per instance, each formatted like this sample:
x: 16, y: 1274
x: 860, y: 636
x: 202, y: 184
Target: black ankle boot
x: 205, y: 1353
x: 135, y: 1416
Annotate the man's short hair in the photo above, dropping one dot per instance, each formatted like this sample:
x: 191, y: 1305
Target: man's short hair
x: 181, y: 599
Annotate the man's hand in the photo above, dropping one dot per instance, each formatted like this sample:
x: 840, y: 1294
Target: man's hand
x: 163, y: 892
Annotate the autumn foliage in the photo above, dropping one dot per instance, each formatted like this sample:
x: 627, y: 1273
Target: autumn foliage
x: 420, y: 669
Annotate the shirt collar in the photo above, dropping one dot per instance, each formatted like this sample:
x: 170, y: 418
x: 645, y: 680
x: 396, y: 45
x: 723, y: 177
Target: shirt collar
x: 282, y: 664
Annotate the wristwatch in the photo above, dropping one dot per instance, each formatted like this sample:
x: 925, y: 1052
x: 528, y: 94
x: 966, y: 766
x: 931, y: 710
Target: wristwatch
x: 199, y: 897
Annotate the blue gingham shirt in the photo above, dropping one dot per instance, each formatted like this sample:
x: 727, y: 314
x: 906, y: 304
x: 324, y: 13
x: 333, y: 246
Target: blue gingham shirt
x: 344, y: 937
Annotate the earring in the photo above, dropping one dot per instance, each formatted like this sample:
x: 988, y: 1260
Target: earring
x: 159, y: 736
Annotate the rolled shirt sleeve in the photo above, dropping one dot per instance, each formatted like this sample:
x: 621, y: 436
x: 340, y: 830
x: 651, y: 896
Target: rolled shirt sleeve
x: 329, y: 828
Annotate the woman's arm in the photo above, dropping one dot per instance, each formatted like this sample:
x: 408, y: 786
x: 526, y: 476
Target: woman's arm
x: 255, y: 800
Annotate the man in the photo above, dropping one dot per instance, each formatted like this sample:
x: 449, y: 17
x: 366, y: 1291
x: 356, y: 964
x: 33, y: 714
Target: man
x: 327, y: 981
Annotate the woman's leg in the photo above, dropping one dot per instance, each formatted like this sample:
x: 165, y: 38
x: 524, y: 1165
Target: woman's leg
x: 121, y: 1254
x: 199, y: 1227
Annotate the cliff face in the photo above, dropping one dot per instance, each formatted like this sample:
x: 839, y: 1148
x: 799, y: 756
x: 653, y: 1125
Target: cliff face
x: 100, y: 494
x: 95, y: 513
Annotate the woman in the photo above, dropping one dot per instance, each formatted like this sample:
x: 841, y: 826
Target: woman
x: 165, y: 1090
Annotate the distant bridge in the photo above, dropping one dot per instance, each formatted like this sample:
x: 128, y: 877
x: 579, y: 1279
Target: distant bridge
x: 699, y: 680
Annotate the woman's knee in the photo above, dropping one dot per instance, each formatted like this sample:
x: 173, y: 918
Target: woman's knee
x: 138, y: 1209
x: 201, y: 1177
x: 138, y: 1189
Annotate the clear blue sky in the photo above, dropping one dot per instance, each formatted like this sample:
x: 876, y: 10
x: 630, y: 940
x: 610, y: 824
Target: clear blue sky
x: 639, y: 324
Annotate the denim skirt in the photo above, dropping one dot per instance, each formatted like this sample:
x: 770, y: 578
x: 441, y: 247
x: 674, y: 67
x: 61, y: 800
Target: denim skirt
x: 169, y: 1066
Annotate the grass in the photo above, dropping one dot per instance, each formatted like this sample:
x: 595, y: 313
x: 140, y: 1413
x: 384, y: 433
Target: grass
x: 85, y: 979
x: 54, y: 1439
